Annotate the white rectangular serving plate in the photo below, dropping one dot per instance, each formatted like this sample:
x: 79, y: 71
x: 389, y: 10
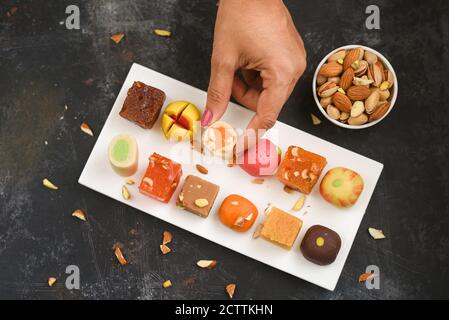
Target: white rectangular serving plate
x: 98, y: 175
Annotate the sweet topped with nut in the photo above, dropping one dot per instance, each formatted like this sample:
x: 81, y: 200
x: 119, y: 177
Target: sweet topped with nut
x: 197, y: 196
x: 237, y: 212
x: 355, y: 87
x: 161, y: 178
x: 300, y: 169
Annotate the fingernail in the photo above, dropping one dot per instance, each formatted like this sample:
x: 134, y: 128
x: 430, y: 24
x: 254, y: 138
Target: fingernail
x: 207, y: 117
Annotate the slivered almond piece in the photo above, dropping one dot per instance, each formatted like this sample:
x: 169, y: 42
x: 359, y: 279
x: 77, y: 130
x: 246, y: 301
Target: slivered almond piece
x: 288, y: 189
x: 86, y: 129
x: 201, y: 203
x: 51, y: 281
x: 117, y: 37
x: 78, y: 213
x: 230, y: 289
x: 239, y: 221
x: 164, y: 249
x: 257, y: 181
x: 119, y: 255
x: 125, y: 193
x: 162, y: 33
x: 315, y: 120
x: 129, y: 182
x: 47, y: 183
x: 249, y: 217
x: 201, y: 169
x: 167, y: 284
x: 376, y: 233
x: 299, y: 203
x: 207, y: 264
x: 167, y: 237
x: 366, y: 276
x: 257, y: 232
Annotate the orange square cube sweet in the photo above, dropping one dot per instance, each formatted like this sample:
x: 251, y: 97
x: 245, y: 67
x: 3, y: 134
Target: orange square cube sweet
x: 281, y: 228
x: 300, y: 169
x: 161, y: 178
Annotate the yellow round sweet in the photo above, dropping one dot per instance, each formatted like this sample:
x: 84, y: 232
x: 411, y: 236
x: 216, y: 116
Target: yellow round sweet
x: 341, y: 187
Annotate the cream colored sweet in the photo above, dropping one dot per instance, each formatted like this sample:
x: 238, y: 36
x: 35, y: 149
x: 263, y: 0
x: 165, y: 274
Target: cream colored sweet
x: 341, y: 187
x: 219, y: 140
x: 123, y: 155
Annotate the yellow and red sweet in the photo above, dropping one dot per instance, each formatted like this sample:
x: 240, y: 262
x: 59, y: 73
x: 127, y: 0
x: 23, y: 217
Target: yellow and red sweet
x: 161, y: 178
x: 300, y: 169
x: 180, y: 120
x: 262, y: 159
x: 341, y: 187
x: 238, y: 213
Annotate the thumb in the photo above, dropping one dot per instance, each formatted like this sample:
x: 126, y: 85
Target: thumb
x: 219, y: 91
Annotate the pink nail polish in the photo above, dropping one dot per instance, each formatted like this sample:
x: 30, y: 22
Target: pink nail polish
x: 207, y: 117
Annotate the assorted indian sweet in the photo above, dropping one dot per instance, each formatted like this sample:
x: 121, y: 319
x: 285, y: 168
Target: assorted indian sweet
x: 219, y: 140
x: 281, y: 227
x: 123, y: 155
x: 143, y: 104
x: 320, y: 245
x: 180, y: 120
x: 197, y: 196
x: 341, y: 187
x: 161, y: 178
x: 238, y: 213
x: 262, y: 159
x: 300, y: 169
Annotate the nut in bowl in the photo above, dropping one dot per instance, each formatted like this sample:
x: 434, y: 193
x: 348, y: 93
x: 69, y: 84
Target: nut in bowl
x: 355, y: 87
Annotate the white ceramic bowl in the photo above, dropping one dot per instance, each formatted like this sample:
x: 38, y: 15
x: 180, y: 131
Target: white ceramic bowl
x: 394, y: 92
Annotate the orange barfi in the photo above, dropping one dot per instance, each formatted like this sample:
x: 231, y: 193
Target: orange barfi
x: 281, y: 228
x: 300, y: 169
x: 161, y: 178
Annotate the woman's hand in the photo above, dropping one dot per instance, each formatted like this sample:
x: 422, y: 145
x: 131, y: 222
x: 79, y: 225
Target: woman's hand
x: 259, y: 38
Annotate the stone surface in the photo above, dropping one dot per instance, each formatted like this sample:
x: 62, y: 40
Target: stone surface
x: 44, y: 67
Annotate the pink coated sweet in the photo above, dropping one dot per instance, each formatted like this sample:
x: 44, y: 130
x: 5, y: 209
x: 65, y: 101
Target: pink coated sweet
x: 262, y: 159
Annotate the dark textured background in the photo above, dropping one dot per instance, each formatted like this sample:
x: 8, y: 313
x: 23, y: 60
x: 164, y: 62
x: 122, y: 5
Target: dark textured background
x: 43, y: 67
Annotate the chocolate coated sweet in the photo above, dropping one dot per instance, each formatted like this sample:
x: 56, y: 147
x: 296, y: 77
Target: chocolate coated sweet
x: 320, y: 245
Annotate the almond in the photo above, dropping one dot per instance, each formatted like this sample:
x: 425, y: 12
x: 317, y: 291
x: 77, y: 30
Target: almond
x: 117, y: 37
x: 201, y: 203
x: 346, y: 78
x: 257, y: 181
x: 324, y: 102
x: 320, y: 79
x: 333, y: 112
x: 361, y: 69
x: 342, y: 102
x: 125, y: 193
x: 331, y: 69
x: 201, y: 169
x: 129, y: 182
x: 335, y: 80
x: 258, y: 231
x: 167, y: 237
x: 315, y: 120
x: 78, y: 213
x: 164, y: 249
x: 299, y: 203
x: 51, y: 281
x: 118, y: 253
x: 86, y: 129
x: 358, y: 93
x: 376, y: 233
x: 337, y: 56
x: 380, y: 111
x: 377, y: 73
x: 162, y: 33
x: 351, y: 57
x: 230, y: 289
x: 344, y: 116
x: 358, y: 121
x: 47, y: 183
x: 370, y: 57
x: 357, y: 109
x: 327, y: 89
x: 207, y: 264
x: 371, y: 101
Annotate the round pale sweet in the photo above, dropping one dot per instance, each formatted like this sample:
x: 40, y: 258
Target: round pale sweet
x: 219, y: 140
x: 123, y: 154
x: 341, y: 187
